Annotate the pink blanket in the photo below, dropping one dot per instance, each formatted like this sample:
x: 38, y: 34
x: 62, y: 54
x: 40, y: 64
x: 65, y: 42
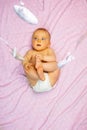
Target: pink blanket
x: 65, y: 107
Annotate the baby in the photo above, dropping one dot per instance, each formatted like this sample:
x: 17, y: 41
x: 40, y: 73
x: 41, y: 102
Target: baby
x: 40, y: 63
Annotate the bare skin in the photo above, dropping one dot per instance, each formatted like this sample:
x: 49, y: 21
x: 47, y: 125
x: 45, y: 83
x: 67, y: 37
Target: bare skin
x: 41, y: 59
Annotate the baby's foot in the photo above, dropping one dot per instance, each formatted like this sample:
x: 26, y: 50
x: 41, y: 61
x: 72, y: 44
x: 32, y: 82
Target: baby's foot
x: 39, y: 68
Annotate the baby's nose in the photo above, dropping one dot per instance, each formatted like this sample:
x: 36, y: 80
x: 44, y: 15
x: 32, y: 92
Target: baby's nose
x: 39, y: 40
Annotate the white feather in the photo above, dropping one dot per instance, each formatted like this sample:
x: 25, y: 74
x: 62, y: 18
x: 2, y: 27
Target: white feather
x: 25, y: 14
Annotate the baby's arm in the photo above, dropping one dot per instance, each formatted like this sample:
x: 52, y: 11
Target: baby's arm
x: 49, y: 61
x: 26, y: 61
x: 51, y: 57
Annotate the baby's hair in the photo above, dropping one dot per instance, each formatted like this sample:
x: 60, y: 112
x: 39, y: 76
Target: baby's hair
x: 43, y: 29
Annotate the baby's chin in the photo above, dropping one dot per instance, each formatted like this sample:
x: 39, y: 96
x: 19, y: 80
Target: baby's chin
x: 39, y: 49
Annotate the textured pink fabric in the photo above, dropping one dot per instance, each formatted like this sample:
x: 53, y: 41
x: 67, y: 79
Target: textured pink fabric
x: 65, y: 107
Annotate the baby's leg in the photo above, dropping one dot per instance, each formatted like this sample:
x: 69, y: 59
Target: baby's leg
x: 50, y: 66
x: 53, y: 71
x: 32, y: 75
x: 53, y: 76
x: 39, y: 68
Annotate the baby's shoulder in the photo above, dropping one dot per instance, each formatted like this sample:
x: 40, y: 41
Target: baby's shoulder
x: 50, y: 50
x: 30, y: 52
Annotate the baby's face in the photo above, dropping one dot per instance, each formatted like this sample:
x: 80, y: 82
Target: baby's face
x: 40, y: 40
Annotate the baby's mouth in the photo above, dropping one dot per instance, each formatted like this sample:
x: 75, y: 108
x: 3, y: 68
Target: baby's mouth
x: 38, y: 45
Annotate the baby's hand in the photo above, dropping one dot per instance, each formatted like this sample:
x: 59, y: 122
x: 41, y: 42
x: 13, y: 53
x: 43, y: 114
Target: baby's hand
x: 27, y: 66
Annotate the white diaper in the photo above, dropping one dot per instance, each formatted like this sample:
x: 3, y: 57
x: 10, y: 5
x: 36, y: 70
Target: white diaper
x: 43, y: 86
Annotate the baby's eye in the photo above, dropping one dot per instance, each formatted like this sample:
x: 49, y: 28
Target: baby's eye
x: 43, y: 38
x: 35, y: 38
